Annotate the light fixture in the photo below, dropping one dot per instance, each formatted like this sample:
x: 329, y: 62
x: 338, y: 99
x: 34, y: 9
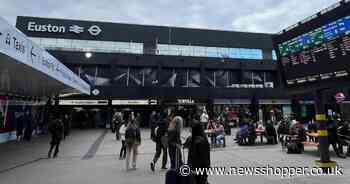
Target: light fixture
x: 88, y: 55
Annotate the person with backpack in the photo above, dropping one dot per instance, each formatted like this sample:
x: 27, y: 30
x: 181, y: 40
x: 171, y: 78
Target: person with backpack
x: 132, y: 141
x: 56, y: 130
x: 160, y: 138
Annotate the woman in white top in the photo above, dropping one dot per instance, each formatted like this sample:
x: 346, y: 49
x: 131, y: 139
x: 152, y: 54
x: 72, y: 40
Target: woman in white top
x: 122, y: 153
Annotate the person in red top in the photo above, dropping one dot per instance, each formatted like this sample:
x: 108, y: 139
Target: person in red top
x: 212, y: 126
x: 231, y: 116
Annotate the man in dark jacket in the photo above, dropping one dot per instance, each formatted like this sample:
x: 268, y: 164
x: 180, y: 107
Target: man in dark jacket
x: 66, y: 126
x: 160, y: 135
x: 198, y: 152
x: 56, y: 130
x: 332, y: 128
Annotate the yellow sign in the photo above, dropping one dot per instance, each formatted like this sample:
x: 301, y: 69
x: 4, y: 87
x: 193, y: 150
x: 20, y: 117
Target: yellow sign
x: 320, y: 117
x: 322, y: 133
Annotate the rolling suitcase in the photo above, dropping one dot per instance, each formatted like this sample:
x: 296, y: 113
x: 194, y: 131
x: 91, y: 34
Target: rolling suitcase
x: 173, y: 176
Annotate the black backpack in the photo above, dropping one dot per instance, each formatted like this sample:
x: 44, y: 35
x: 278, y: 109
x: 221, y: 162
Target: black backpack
x: 130, y: 135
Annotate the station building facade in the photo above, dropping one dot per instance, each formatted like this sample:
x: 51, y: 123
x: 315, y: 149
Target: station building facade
x: 149, y: 66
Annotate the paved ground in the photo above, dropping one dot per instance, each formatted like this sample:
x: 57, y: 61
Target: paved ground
x: 90, y: 156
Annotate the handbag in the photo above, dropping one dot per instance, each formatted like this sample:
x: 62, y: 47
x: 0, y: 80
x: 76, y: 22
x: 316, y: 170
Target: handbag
x: 164, y: 141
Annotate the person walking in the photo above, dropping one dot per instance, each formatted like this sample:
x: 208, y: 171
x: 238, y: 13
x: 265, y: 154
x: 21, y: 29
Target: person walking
x: 132, y: 141
x: 20, y: 125
x: 174, y: 141
x: 28, y: 125
x: 160, y: 138
x: 122, y: 130
x: 204, y: 118
x: 117, y: 122
x: 66, y: 126
x: 56, y: 130
x: 198, y: 152
x: 152, y: 123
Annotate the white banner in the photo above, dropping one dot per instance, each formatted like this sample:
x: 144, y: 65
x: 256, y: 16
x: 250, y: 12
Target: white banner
x: 83, y: 102
x: 15, y: 44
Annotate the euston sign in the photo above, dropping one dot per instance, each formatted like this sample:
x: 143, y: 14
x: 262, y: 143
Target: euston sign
x: 93, y: 30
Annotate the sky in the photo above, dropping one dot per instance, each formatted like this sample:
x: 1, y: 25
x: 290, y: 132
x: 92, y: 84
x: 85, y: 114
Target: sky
x: 265, y: 16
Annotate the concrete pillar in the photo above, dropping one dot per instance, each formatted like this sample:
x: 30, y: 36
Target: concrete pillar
x: 324, y: 161
x: 267, y: 54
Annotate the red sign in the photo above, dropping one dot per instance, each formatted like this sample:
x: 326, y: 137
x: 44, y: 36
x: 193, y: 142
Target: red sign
x: 339, y: 97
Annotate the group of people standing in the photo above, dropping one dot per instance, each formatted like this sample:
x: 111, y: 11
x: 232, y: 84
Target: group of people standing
x: 167, y: 135
x: 129, y: 133
x: 166, y: 132
x: 27, y: 123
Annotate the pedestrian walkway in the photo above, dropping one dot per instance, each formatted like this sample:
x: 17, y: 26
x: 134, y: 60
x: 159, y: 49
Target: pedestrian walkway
x: 92, y: 156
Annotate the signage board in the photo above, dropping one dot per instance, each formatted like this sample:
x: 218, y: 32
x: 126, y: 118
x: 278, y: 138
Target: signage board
x: 134, y: 102
x: 16, y: 45
x: 83, y: 102
x: 317, y: 51
x: 33, y: 26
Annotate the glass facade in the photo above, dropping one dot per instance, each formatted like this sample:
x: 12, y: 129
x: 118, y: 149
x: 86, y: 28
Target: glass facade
x: 89, y: 45
x: 137, y: 48
x: 220, y: 52
x: 274, y: 56
x: 174, y: 77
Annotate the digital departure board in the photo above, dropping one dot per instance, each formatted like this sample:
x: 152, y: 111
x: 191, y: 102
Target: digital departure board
x: 316, y: 51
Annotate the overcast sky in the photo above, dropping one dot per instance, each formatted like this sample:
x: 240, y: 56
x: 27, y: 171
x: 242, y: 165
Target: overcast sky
x: 268, y: 16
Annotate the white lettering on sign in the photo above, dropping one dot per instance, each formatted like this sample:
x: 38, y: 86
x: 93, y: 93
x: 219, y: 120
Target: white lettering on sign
x: 94, y: 30
x: 32, y: 26
x: 185, y: 101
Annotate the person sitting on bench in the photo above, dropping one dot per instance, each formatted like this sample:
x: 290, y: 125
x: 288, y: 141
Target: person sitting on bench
x: 220, y: 134
x: 251, y: 133
x: 242, y: 133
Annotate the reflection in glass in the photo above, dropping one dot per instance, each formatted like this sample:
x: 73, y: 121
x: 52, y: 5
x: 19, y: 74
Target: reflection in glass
x: 258, y: 77
x: 103, y: 76
x: 167, y: 77
x: 221, y: 78
x: 194, y: 78
x: 180, y: 78
x: 247, y: 77
x: 233, y: 77
x: 120, y: 76
x: 88, y: 74
x: 150, y: 76
x: 136, y: 77
x: 209, y: 78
